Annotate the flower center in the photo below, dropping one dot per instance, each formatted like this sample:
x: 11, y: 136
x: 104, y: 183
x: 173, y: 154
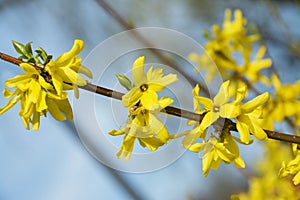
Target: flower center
x: 216, y: 108
x: 144, y: 87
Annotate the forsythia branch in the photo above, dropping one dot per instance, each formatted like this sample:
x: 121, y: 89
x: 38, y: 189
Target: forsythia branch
x: 169, y: 109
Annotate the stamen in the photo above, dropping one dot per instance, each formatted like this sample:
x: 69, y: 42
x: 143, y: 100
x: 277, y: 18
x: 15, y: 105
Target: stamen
x: 144, y: 87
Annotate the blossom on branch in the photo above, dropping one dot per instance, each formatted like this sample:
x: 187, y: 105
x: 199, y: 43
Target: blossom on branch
x: 143, y: 106
x: 146, y: 85
x: 41, y: 88
x: 66, y: 68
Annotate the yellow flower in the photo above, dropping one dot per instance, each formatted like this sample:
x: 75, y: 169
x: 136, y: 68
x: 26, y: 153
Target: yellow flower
x: 219, y: 107
x: 64, y: 70
x: 292, y: 167
x: 217, y: 150
x: 35, y: 97
x: 266, y: 184
x: 145, y: 126
x: 248, y: 119
x: 146, y: 85
x: 251, y: 69
x: 285, y: 102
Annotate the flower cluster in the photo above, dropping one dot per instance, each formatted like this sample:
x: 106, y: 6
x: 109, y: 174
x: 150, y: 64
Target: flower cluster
x: 143, y: 106
x: 221, y: 146
x: 224, y: 44
x: 265, y: 183
x: 284, y: 103
x: 292, y: 167
x: 41, y: 88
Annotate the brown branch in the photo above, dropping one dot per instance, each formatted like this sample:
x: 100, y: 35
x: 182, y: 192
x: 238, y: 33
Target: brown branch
x: 170, y: 109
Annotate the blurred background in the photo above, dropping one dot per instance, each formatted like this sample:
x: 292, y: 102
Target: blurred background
x: 53, y: 164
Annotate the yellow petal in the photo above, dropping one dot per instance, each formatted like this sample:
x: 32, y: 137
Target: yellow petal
x: 296, y: 179
x: 156, y: 74
x: 34, y: 91
x: 7, y: 93
x: 276, y: 82
x: 196, y: 147
x: 25, y: 121
x: 224, y: 154
x: 44, y: 84
x: 66, y: 57
x: 28, y: 108
x: 132, y: 97
x: 229, y: 110
x: 127, y: 147
x: 255, y: 103
x: 84, y: 70
x: 151, y: 143
x: 242, y: 127
x: 54, y: 110
x: 70, y: 76
x: 216, y: 163
x: 76, y: 91
x: 17, y: 80
x: 239, y: 163
x: 158, y: 128
x: 116, y: 133
x: 52, y: 95
x: 206, y: 102
x: 208, y: 119
x: 41, y: 103
x: 10, y: 104
x: 160, y: 83
x: 57, y: 82
x: 35, y: 121
x: 261, y: 52
x: 138, y: 73
x: 223, y: 95
x: 164, y: 102
x: 28, y: 68
x: 240, y: 93
x: 206, y: 162
x: 149, y: 99
x: 257, y: 130
x: 65, y: 107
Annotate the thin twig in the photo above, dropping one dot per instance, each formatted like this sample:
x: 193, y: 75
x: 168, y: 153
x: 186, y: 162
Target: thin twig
x: 169, y: 110
x: 113, y: 13
x: 291, y: 41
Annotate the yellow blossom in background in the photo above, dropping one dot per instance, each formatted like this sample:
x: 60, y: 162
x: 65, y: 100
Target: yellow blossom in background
x: 284, y: 103
x: 66, y: 68
x: 146, y: 85
x: 251, y: 69
x: 292, y: 167
x: 223, y: 46
x: 265, y: 183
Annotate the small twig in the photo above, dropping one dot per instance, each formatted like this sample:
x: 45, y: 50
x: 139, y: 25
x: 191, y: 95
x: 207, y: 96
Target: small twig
x: 291, y: 41
x: 169, y: 109
x: 144, y: 41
